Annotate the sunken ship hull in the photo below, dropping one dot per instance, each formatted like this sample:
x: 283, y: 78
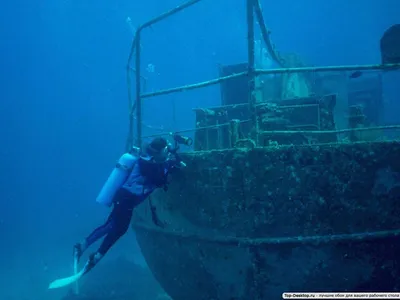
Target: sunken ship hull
x: 253, y: 224
x: 305, y: 197
x: 293, y: 183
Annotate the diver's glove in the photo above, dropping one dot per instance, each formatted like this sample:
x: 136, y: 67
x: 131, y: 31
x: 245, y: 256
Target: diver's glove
x: 175, y: 159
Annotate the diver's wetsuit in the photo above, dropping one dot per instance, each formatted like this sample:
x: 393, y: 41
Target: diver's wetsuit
x: 138, y: 186
x: 117, y: 223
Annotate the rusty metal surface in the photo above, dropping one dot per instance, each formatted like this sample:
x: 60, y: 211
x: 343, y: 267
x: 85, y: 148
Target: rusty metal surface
x: 253, y: 224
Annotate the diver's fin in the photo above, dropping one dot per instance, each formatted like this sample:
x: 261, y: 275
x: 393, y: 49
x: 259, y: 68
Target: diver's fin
x: 93, y: 259
x: 66, y: 281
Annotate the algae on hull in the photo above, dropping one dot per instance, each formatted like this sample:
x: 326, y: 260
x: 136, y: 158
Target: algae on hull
x: 276, y: 219
x: 253, y: 192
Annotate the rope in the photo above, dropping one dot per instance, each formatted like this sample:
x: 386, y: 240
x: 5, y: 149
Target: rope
x: 265, y: 32
x: 157, y: 128
x: 195, y: 129
x: 278, y: 131
x: 330, y: 131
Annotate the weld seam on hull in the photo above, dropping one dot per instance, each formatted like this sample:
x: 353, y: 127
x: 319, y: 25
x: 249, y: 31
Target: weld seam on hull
x: 246, y: 242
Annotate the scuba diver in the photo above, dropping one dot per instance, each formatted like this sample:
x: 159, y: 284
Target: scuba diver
x: 141, y: 175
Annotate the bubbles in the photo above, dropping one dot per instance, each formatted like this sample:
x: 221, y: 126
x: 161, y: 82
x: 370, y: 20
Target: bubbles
x: 130, y: 25
x: 150, y: 68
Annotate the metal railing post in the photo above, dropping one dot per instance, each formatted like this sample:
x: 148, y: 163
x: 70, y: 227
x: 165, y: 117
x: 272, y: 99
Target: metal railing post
x: 251, y: 65
x: 253, y: 12
x: 138, y: 91
x: 136, y: 46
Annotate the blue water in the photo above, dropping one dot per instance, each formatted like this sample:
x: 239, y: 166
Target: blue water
x: 63, y: 102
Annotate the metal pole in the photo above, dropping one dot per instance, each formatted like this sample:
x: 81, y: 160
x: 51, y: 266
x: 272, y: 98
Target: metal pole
x: 136, y: 45
x: 131, y: 104
x: 129, y: 141
x: 160, y: 18
x: 138, y: 92
x: 250, y: 45
x: 251, y: 62
x: 386, y: 68
x: 173, y: 114
x: 194, y: 86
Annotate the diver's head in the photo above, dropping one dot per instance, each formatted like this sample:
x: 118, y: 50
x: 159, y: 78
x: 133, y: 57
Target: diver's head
x: 156, y: 151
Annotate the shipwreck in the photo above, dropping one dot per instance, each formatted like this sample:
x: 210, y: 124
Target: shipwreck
x: 292, y: 184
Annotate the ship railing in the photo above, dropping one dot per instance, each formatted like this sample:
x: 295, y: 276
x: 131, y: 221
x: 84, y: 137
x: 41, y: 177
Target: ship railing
x: 365, y: 135
x: 253, y: 13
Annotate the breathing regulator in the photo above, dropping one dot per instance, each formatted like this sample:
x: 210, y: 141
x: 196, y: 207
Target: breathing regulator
x: 173, y: 149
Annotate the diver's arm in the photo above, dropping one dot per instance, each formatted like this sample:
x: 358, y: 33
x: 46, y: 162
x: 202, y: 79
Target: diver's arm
x: 175, y: 162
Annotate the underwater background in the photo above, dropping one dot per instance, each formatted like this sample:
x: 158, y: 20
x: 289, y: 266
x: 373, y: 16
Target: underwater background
x: 64, y: 112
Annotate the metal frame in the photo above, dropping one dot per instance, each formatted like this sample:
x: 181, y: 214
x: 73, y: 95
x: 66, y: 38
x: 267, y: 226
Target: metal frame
x: 253, y: 12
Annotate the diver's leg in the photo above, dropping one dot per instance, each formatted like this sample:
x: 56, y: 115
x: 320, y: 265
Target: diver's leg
x: 123, y: 208
x: 123, y: 216
x: 100, y: 231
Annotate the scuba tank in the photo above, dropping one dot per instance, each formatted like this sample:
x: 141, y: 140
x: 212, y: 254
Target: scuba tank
x: 117, y: 178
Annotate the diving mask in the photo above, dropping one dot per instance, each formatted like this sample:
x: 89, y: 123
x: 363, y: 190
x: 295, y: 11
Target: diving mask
x: 155, y: 156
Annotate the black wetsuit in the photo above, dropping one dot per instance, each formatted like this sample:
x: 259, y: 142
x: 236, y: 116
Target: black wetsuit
x: 117, y: 223
x: 139, y: 185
